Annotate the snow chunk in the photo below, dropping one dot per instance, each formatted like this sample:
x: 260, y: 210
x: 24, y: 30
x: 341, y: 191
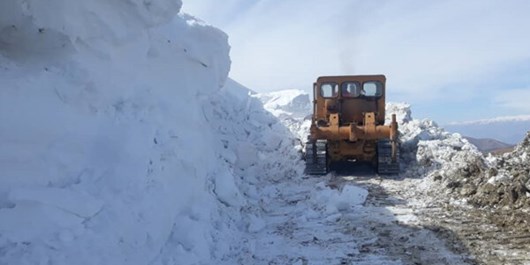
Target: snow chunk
x: 226, y: 190
x: 402, y: 111
x: 246, y: 155
x: 499, y: 178
x: 256, y: 224
x: 335, y: 201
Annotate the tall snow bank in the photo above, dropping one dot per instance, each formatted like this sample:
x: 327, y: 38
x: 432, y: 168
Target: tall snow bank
x: 255, y: 144
x: 447, y: 161
x: 259, y: 150
x: 451, y: 165
x: 106, y: 154
x: 30, y: 28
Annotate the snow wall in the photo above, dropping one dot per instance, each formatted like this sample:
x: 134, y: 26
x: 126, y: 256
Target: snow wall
x: 121, y: 143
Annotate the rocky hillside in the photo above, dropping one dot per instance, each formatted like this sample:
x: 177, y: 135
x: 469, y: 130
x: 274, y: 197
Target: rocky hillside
x: 487, y: 145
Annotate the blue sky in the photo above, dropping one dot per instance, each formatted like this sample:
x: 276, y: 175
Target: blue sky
x: 451, y: 60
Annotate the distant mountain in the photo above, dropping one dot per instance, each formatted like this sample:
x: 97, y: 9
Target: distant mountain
x: 292, y: 102
x: 487, y: 145
x: 509, y: 130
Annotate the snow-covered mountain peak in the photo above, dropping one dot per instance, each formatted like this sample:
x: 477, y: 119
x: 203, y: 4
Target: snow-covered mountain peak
x: 292, y: 102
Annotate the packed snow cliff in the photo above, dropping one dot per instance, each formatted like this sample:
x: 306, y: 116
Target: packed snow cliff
x: 122, y: 140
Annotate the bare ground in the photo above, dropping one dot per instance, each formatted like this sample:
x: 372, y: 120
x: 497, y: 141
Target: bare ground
x: 480, y: 236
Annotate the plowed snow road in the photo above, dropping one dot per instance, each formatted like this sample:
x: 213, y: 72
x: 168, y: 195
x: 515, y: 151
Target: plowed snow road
x: 328, y: 220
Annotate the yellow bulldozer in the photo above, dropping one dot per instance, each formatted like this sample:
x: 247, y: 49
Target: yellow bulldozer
x: 348, y: 124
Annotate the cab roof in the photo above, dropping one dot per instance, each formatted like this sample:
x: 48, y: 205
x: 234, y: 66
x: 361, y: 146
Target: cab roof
x: 342, y: 78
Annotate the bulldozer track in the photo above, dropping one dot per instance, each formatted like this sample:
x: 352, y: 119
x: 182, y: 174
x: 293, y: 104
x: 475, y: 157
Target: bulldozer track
x: 316, y: 158
x: 385, y: 165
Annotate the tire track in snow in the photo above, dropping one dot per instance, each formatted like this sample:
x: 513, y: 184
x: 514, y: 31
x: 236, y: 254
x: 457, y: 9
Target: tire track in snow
x: 299, y: 227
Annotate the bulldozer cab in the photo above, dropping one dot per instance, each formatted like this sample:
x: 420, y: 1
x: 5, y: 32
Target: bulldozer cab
x: 351, y: 96
x: 349, y: 124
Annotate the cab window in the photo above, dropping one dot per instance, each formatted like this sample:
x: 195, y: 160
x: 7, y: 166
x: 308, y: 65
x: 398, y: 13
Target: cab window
x: 329, y: 90
x: 350, y: 89
x: 372, y: 89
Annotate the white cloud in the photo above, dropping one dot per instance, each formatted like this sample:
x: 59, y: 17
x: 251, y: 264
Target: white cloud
x: 516, y: 100
x: 517, y: 118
